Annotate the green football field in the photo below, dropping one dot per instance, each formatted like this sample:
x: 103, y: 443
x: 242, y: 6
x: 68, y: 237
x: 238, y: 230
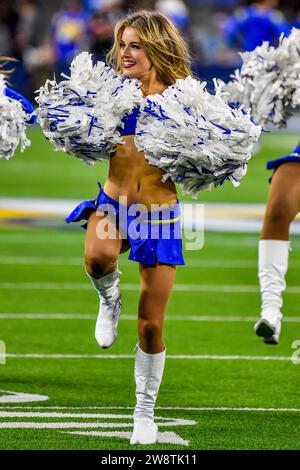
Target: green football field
x: 223, y: 388
x: 42, y: 172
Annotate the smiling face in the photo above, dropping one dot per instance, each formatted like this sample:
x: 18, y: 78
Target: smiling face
x: 134, y: 58
x: 148, y: 47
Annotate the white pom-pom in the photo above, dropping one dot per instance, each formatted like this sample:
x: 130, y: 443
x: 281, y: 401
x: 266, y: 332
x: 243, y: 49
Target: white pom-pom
x: 80, y: 115
x: 2, y: 83
x: 268, y: 81
x: 12, y: 124
x: 196, y: 138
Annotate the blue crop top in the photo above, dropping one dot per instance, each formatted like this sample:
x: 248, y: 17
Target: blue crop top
x: 130, y: 122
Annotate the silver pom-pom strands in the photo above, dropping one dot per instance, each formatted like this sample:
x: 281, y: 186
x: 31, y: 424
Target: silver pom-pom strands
x: 12, y: 124
x: 196, y: 138
x: 80, y: 115
x: 269, y: 81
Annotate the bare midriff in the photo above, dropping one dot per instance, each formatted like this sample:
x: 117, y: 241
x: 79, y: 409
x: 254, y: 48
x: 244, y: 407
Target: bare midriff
x: 131, y: 175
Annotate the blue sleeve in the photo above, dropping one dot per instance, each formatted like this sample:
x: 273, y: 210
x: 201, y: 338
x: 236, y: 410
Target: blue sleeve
x: 27, y: 106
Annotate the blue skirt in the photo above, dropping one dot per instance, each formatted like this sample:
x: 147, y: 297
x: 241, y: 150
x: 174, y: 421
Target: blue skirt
x: 293, y: 157
x: 153, y: 236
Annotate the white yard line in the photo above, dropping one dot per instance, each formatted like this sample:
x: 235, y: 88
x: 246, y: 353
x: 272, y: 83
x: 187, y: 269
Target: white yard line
x: 58, y: 239
x: 76, y: 238
x: 91, y: 316
x: 55, y: 414
x: 62, y: 425
x: 131, y: 356
x: 190, y: 263
x: 40, y: 260
x: 136, y: 287
x: 161, y: 408
x: 35, y: 238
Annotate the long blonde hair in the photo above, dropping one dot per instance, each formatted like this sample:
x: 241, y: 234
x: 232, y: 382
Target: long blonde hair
x: 164, y: 45
x: 3, y: 61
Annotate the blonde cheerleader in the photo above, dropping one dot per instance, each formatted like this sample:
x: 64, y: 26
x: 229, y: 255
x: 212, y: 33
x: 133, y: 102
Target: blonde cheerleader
x: 157, y: 126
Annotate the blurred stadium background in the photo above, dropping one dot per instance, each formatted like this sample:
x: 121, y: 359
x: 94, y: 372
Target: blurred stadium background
x: 233, y: 391
x: 45, y: 36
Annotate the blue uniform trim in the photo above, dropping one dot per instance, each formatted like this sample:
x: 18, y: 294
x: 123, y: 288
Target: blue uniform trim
x: 153, y: 236
x: 129, y: 122
x: 293, y: 157
x: 27, y: 106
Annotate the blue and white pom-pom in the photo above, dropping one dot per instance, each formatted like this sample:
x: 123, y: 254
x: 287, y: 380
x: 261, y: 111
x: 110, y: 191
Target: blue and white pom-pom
x: 80, y: 115
x: 12, y: 124
x: 269, y: 81
x: 196, y: 138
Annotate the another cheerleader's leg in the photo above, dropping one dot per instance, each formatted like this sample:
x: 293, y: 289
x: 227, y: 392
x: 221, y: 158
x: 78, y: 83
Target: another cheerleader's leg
x: 102, y: 269
x: 272, y: 268
x: 157, y: 282
x: 274, y: 246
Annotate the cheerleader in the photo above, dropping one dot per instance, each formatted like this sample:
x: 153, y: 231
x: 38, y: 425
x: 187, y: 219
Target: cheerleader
x: 157, y: 125
x: 16, y: 113
x: 269, y: 83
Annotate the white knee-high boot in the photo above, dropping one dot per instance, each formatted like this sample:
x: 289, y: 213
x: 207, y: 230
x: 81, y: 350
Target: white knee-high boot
x: 272, y: 268
x: 109, y: 310
x: 148, y: 372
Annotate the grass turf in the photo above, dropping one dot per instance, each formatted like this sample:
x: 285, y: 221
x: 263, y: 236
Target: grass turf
x: 38, y: 256
x: 187, y: 382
